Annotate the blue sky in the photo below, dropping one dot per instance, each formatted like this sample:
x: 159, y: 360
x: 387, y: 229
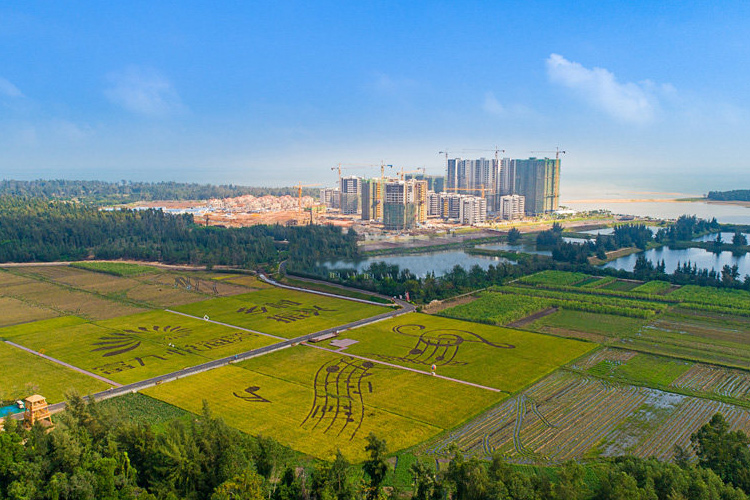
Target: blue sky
x: 644, y: 96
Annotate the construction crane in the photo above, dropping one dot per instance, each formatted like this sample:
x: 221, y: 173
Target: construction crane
x: 299, y: 193
x: 557, y: 152
x: 467, y: 189
x: 402, y: 172
x: 352, y: 166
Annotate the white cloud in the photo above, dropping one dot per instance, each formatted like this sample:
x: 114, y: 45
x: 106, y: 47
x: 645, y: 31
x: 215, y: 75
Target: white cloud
x: 144, y: 92
x: 627, y: 102
x: 7, y: 89
x: 491, y: 105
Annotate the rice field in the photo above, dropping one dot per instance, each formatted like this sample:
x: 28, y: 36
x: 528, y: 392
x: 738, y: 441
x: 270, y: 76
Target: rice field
x: 23, y: 374
x: 568, y: 416
x: 319, y: 402
x: 502, y: 358
x: 286, y: 313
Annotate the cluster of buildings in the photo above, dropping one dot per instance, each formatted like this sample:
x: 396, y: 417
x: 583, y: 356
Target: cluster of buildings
x: 469, y: 193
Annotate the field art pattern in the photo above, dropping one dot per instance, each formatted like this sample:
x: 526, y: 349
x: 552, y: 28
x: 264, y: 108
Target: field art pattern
x: 281, y: 312
x: 567, y: 416
x: 501, y: 358
x: 318, y: 402
x: 133, y: 348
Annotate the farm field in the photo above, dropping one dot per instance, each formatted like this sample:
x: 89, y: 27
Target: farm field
x: 23, y: 374
x: 154, y: 288
x: 569, y: 416
x: 317, y: 402
x: 67, y: 301
x: 502, y: 358
x: 14, y: 312
x: 286, y: 313
x: 133, y: 348
x: 686, y: 377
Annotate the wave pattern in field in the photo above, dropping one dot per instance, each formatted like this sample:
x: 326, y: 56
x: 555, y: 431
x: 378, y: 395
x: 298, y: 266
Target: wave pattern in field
x: 715, y: 380
x: 568, y: 416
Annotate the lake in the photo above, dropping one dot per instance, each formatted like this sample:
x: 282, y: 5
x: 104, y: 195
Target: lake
x: 702, y: 258
x: 424, y: 263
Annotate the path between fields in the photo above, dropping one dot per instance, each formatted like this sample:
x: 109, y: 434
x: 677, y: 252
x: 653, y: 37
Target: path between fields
x: 531, y: 318
x: 225, y: 324
x: 464, y: 382
x: 63, y: 363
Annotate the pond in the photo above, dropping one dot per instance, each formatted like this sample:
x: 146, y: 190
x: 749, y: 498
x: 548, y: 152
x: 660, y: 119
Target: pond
x: 704, y: 259
x: 424, y: 263
x: 4, y: 410
x: 725, y: 236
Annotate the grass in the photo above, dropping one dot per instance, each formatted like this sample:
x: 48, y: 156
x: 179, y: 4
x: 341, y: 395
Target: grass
x: 406, y: 407
x: 285, y: 313
x: 23, y: 374
x: 471, y: 358
x: 584, y: 323
x: 643, y: 369
x: 115, y: 268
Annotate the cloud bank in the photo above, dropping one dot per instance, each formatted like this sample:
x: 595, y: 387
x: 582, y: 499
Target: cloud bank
x: 626, y: 102
x: 143, y: 92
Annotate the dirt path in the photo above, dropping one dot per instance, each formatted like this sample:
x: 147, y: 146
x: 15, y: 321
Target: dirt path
x: 530, y: 319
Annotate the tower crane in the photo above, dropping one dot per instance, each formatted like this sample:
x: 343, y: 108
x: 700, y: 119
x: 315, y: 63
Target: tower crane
x: 557, y: 152
x: 402, y: 172
x: 299, y: 187
x: 467, y: 189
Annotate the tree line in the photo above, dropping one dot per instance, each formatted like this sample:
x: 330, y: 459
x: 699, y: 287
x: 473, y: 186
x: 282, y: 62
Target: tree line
x: 128, y: 191
x: 733, y: 195
x: 39, y: 230
x: 95, y: 454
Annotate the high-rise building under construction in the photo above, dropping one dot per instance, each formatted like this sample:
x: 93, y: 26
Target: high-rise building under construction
x: 538, y: 181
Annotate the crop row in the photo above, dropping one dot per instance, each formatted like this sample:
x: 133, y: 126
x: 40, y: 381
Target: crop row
x: 589, y: 303
x: 730, y: 299
x: 495, y: 308
x: 568, y: 416
x: 714, y: 380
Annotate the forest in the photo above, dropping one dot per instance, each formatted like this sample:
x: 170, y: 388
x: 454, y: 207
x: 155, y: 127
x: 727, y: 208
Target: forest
x: 39, y: 230
x: 101, y: 192
x: 94, y: 453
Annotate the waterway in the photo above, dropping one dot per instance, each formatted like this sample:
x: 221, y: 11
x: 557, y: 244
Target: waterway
x: 704, y: 259
x: 424, y: 263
